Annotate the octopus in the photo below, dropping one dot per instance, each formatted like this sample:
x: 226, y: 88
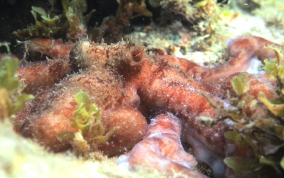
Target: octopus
x: 130, y: 85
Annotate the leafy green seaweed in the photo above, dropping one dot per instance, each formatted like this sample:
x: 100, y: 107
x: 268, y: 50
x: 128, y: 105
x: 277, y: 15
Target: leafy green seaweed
x: 84, y: 114
x: 240, y: 84
x: 11, y: 100
x: 87, y: 120
x: 50, y: 24
x: 263, y: 134
x: 242, y: 166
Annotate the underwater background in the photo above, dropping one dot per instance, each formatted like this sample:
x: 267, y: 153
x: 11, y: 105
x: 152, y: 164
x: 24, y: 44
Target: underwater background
x: 198, y: 30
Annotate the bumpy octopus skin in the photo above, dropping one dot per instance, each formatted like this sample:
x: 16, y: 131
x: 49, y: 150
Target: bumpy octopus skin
x: 160, y: 88
x: 163, y: 87
x: 39, y: 76
x: 52, y: 48
x: 43, y: 75
x: 162, y: 83
x: 49, y: 113
x: 242, y: 52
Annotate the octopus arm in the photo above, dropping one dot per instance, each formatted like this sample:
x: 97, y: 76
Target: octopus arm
x: 163, y: 148
x: 39, y: 76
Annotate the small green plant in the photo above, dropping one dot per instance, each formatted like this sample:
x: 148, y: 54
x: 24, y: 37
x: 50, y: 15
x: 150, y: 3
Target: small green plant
x: 263, y: 134
x: 11, y: 98
x: 50, y: 24
x: 87, y: 120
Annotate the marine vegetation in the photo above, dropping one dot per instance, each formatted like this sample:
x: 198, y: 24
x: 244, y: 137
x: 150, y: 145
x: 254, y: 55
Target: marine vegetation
x: 12, y: 99
x: 49, y: 24
x: 72, y: 24
x: 93, y: 96
x: 258, y: 124
x: 111, y: 29
x: 122, y: 77
x: 87, y: 118
x: 191, y: 11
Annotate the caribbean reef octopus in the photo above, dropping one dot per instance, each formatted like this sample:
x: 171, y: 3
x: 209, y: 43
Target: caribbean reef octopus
x: 129, y: 85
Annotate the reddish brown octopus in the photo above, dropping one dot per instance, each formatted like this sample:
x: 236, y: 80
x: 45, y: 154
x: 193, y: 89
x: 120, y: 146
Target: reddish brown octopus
x: 128, y: 85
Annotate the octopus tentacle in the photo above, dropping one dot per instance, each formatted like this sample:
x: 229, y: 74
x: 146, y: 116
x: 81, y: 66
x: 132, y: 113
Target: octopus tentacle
x: 162, y: 87
x: 55, y: 49
x: 39, y: 76
x: 163, y: 148
x: 49, y: 113
x: 242, y: 52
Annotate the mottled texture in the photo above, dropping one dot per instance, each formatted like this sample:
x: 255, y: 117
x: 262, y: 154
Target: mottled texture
x: 165, y: 86
x: 49, y: 113
x: 43, y: 75
x: 124, y: 75
x: 163, y: 148
x: 50, y: 47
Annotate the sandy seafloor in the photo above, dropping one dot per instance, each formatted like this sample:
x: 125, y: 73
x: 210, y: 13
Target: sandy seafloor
x: 22, y: 158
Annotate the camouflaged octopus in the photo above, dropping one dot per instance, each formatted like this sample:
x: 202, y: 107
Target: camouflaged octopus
x: 128, y: 85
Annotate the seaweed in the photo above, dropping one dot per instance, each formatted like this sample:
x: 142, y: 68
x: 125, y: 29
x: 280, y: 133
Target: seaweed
x: 46, y: 25
x: 12, y: 99
x: 88, y: 121
x: 128, y: 10
x: 110, y: 30
x: 50, y: 24
x: 263, y: 134
x: 72, y: 23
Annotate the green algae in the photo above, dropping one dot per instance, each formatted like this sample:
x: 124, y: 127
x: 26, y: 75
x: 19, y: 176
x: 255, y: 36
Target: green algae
x: 50, y: 24
x: 263, y: 134
x: 87, y: 120
x: 12, y: 99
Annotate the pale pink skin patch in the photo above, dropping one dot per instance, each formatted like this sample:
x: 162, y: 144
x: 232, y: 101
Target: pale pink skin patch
x: 161, y: 149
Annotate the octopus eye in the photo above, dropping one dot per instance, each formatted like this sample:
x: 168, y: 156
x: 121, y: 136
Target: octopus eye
x: 137, y: 54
